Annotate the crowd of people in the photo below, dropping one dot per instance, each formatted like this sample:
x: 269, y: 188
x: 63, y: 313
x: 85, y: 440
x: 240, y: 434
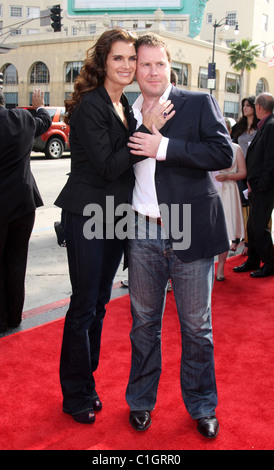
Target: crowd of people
x: 175, y: 162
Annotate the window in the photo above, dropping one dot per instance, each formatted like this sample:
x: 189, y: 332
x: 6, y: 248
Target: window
x: 73, y: 70
x: 232, y: 18
x: 11, y: 100
x: 15, y: 32
x: 39, y: 73
x: 132, y: 96
x: 92, y: 28
x: 265, y: 22
x: 231, y: 109
x: 202, y: 77
x: 33, y: 12
x: 260, y: 87
x: 262, y: 49
x: 46, y: 100
x: 232, y: 83
x: 32, y: 31
x: 10, y: 75
x: 209, y: 18
x: 16, y: 12
x: 182, y: 72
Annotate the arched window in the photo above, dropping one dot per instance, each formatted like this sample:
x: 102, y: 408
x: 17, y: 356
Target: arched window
x: 10, y: 75
x: 261, y: 86
x: 39, y: 73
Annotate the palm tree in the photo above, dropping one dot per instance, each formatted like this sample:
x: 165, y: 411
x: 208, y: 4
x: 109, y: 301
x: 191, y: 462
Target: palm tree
x: 242, y: 57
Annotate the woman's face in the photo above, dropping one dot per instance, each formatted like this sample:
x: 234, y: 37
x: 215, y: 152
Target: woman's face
x: 120, y: 64
x: 247, y: 109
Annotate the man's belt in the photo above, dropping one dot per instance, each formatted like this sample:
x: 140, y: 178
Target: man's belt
x: 154, y: 220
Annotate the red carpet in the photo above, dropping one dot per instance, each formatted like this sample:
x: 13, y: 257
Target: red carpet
x: 243, y: 319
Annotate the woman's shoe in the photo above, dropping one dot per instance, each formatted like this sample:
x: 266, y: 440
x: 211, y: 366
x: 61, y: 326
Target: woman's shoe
x: 220, y: 278
x: 233, y: 246
x: 86, y: 417
x: 245, y: 251
x: 97, y: 404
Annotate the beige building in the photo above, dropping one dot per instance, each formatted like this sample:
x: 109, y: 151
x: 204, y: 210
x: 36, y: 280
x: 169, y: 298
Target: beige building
x: 48, y: 60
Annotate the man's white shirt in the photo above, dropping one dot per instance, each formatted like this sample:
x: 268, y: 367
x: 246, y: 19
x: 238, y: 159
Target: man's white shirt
x: 144, y: 198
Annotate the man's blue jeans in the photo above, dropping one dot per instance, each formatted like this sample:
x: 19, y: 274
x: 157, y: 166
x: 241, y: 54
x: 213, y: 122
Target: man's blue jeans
x: 151, y: 263
x: 92, y: 267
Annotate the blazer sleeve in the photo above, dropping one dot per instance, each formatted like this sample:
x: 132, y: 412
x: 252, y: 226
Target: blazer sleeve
x: 103, y: 139
x: 42, y: 121
x: 267, y: 156
x: 206, y: 145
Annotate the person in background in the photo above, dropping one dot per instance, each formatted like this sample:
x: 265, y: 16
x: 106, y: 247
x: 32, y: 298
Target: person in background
x: 226, y: 182
x: 19, y: 198
x: 242, y: 133
x: 175, y: 175
x: 260, y: 180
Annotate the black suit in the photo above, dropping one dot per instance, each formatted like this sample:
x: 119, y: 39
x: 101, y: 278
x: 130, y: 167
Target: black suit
x: 101, y: 162
x: 199, y: 143
x: 260, y: 176
x: 100, y: 167
x: 19, y: 198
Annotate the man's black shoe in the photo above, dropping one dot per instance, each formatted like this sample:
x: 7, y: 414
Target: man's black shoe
x: 208, y: 426
x: 264, y: 271
x: 246, y: 266
x: 140, y: 420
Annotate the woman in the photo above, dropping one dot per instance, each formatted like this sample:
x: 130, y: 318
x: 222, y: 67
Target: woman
x: 229, y: 193
x: 98, y: 114
x: 243, y: 132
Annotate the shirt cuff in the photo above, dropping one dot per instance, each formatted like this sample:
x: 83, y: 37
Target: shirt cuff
x: 162, y: 150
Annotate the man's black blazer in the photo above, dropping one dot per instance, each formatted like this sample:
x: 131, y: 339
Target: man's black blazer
x: 260, y: 158
x: 101, y: 163
x: 19, y: 194
x: 198, y: 143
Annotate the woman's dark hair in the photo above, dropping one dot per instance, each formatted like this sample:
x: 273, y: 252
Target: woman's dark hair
x: 92, y: 74
x: 241, y: 125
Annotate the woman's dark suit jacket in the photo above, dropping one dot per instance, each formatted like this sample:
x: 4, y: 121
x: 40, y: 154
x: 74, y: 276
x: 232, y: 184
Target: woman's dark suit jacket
x: 101, y: 163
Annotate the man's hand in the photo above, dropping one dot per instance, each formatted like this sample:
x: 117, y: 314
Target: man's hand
x: 38, y: 99
x: 145, y: 144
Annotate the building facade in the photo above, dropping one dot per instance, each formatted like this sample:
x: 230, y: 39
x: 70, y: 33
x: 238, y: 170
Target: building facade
x: 41, y: 58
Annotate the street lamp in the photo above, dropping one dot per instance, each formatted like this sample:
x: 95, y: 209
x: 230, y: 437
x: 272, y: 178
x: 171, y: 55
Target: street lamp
x: 212, y: 66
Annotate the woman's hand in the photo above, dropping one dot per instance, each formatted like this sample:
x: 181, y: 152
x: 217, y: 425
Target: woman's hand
x: 222, y: 177
x: 157, y: 114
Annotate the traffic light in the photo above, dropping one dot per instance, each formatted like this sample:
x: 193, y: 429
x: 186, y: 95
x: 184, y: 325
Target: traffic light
x: 56, y: 18
x: 1, y: 80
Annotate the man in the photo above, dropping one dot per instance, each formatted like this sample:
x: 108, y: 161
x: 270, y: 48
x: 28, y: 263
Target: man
x: 19, y: 198
x: 260, y: 179
x: 174, y: 180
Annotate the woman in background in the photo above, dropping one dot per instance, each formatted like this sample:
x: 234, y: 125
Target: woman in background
x: 242, y: 133
x: 230, y: 196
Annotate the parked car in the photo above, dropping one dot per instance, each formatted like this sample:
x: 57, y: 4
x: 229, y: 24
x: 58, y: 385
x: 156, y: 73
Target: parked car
x: 56, y: 140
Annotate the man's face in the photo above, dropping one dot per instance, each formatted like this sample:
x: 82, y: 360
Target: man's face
x: 153, y: 70
x: 258, y: 109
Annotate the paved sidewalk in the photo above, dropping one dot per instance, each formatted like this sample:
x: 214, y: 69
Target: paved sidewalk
x: 55, y: 310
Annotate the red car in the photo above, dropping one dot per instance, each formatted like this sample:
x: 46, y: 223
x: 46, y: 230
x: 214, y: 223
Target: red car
x: 56, y: 140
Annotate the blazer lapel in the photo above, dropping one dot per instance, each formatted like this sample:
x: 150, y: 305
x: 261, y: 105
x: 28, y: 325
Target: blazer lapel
x: 178, y: 98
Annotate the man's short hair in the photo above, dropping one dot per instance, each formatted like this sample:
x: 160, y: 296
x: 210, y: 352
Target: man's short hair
x: 266, y: 101
x: 152, y: 40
